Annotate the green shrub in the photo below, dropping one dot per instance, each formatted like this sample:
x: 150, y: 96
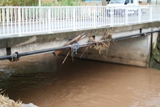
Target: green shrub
x: 70, y: 2
x: 20, y: 3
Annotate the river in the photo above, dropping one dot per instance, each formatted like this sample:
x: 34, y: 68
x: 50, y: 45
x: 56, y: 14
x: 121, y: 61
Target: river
x: 44, y: 81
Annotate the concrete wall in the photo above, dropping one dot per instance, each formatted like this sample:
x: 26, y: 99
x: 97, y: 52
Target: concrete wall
x: 133, y: 51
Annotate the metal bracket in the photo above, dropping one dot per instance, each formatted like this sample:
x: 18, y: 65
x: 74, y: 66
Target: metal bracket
x: 14, y: 57
x: 74, y: 48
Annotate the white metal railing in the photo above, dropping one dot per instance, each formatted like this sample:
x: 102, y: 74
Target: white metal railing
x: 38, y: 20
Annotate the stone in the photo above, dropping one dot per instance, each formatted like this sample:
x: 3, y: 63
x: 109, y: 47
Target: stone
x: 29, y: 105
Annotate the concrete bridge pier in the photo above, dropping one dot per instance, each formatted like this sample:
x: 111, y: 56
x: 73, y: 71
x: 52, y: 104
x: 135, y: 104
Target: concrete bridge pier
x: 133, y: 51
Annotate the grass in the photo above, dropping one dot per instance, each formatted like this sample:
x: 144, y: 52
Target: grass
x: 155, y: 61
x: 44, y: 3
x: 19, y: 2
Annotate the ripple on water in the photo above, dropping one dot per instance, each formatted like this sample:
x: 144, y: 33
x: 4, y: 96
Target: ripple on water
x: 45, y: 82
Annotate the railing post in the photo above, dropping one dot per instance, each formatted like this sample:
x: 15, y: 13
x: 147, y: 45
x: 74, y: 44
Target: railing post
x: 95, y: 17
x: 112, y: 15
x: 74, y: 18
x: 3, y: 19
x: 126, y: 14
x: 49, y: 19
x: 150, y: 11
x: 158, y: 13
x: 67, y: 15
x: 7, y: 20
x: 0, y: 15
x: 139, y: 14
x: 19, y: 21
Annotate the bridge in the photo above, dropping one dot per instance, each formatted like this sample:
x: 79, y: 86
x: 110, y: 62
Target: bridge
x: 27, y: 28
x: 23, y: 21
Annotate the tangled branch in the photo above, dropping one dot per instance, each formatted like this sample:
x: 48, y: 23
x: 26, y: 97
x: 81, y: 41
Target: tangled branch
x: 101, y: 46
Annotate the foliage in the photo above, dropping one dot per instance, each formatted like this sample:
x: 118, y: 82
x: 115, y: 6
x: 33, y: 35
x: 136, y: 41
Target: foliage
x: 70, y: 2
x: 77, y: 2
x: 35, y: 3
x: 20, y: 3
x: 66, y: 2
x: 155, y: 60
x: 47, y: 4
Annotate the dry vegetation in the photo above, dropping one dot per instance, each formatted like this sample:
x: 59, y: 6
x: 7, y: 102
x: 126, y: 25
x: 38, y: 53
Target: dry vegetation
x: 6, y: 102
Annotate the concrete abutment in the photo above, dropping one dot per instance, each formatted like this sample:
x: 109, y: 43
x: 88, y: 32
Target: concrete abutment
x: 132, y: 51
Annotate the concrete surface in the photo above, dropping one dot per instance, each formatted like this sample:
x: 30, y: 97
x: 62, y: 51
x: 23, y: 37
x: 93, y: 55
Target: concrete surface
x: 133, y: 51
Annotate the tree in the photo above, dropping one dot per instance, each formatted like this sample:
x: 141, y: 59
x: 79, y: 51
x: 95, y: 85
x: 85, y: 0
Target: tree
x: 20, y: 3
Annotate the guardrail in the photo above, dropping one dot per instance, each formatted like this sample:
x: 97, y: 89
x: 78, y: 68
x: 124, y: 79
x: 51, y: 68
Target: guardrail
x: 39, y: 20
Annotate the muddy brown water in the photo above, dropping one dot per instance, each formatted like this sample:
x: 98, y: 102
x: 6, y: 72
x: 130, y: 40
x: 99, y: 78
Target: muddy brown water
x: 44, y: 81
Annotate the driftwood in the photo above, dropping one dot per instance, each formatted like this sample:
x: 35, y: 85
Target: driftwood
x: 101, y: 46
x: 66, y: 57
x: 107, y: 34
x: 74, y: 40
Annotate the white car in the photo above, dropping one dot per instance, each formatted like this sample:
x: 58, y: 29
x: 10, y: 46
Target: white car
x: 121, y: 7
